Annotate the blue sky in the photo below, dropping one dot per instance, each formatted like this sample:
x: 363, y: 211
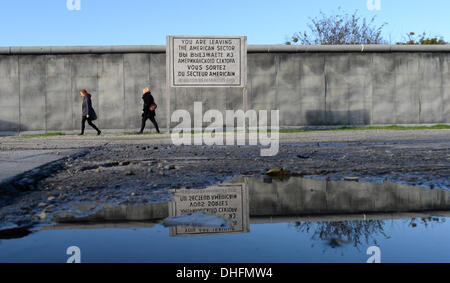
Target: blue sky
x: 135, y: 22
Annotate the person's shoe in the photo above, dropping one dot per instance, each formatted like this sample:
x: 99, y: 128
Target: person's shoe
x: 140, y: 133
x: 81, y: 134
x: 99, y: 133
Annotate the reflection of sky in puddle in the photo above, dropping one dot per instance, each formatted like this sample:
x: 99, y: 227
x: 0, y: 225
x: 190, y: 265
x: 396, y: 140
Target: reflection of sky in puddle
x: 277, y: 242
x: 299, y: 220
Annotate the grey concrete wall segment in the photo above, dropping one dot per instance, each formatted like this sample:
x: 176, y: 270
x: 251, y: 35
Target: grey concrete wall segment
x: 33, y: 92
x: 157, y: 85
x: 445, y: 87
x: 310, y: 85
x: 383, y: 89
x: 85, y: 74
x: 111, y: 94
x: 59, y: 101
x: 350, y: 89
x: 136, y: 77
x: 430, y: 88
x: 9, y: 94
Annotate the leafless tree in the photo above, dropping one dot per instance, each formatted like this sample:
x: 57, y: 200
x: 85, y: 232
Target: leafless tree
x: 341, y: 28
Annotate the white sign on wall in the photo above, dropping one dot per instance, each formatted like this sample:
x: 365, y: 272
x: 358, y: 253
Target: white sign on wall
x: 207, y: 61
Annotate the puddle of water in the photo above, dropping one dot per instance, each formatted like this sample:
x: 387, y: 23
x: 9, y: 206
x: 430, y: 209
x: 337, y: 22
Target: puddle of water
x: 298, y: 220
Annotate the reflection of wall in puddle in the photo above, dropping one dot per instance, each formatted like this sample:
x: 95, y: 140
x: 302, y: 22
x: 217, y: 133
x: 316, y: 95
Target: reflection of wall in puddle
x: 228, y: 201
x: 302, y: 196
x: 117, y: 214
x: 295, y: 197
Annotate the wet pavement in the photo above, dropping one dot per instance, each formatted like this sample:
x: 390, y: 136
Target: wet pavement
x: 269, y: 220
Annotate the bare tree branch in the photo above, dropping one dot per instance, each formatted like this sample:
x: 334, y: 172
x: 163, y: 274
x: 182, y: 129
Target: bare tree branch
x: 340, y: 29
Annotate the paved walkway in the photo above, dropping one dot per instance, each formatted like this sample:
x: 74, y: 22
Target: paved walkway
x: 16, y: 162
x: 75, y: 141
x: 19, y: 155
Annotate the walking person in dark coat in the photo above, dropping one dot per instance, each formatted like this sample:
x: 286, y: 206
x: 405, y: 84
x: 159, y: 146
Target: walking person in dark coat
x: 149, y: 110
x: 89, y: 114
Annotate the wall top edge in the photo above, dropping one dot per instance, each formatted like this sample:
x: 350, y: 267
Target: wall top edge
x: 49, y: 50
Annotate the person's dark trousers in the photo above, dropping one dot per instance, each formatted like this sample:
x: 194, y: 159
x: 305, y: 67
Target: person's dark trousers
x: 152, y: 118
x: 83, y: 125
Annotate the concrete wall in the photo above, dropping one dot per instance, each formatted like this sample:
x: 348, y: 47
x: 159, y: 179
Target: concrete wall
x: 351, y: 88
x: 310, y: 85
x: 41, y: 92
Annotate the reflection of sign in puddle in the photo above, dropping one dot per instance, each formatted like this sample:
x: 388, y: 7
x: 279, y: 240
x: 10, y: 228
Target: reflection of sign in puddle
x: 229, y: 202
